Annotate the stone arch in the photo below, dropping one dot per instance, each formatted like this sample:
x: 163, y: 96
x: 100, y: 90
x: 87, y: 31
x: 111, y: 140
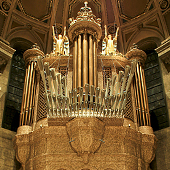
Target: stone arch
x: 15, y: 84
x: 27, y: 35
x: 144, y: 35
x: 20, y: 44
x: 14, y: 93
x: 149, y: 43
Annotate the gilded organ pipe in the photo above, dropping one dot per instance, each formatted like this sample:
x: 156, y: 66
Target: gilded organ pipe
x: 85, y: 59
x: 25, y: 94
x: 95, y: 63
x: 91, y: 60
x: 138, y: 99
x: 79, y: 61
x: 75, y: 64
x: 146, y: 98
x: 31, y: 96
x: 141, y: 99
x: 142, y: 109
x: 141, y: 94
x: 23, y: 99
x: 27, y: 109
x: 137, y: 109
x: 29, y: 92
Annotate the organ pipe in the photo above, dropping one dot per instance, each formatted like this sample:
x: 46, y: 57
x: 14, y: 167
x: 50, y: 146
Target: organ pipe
x: 75, y: 64
x: 85, y: 59
x: 27, y: 107
x: 142, y: 108
x: 91, y: 60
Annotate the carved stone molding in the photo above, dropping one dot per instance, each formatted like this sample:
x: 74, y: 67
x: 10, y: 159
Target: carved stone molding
x: 117, y: 61
x: 164, y: 53
x: 85, y: 135
x: 85, y: 27
x: 148, y: 148
x: 6, y: 53
x: 22, y: 148
x: 56, y: 61
x: 100, y: 146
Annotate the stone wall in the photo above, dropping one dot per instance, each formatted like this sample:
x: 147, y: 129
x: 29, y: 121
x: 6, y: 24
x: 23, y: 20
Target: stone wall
x: 7, y: 153
x: 74, y: 147
x: 162, y: 158
x: 164, y: 59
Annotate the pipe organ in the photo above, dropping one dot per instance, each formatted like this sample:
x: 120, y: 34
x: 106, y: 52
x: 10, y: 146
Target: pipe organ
x: 30, y: 87
x: 107, y: 127
x: 141, y: 99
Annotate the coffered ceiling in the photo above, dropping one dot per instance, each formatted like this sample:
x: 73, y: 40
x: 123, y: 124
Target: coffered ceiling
x: 39, y: 9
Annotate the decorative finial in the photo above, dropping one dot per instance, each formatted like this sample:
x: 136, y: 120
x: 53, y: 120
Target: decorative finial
x: 134, y: 46
x: 85, y: 14
x: 36, y: 46
x: 85, y: 3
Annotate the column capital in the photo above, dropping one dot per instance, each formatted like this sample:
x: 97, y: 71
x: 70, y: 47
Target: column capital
x: 32, y: 53
x: 137, y: 54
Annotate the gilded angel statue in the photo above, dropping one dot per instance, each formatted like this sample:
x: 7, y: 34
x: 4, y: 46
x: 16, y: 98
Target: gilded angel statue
x: 58, y: 43
x: 109, y: 45
x: 61, y: 44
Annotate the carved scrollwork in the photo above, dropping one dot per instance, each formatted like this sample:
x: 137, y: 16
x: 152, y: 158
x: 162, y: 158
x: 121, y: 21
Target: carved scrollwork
x: 5, y: 6
x: 86, y: 136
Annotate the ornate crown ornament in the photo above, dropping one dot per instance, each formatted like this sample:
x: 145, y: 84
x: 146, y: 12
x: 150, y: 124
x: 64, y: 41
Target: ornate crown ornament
x: 85, y: 14
x: 85, y: 22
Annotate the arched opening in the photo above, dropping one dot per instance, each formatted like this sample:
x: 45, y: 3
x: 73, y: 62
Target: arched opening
x: 154, y: 85
x: 15, y: 85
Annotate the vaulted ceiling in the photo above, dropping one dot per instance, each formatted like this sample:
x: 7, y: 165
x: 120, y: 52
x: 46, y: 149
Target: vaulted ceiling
x: 140, y: 21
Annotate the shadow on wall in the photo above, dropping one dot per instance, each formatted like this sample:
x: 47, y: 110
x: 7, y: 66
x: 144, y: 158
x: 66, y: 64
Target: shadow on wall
x: 154, y: 121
